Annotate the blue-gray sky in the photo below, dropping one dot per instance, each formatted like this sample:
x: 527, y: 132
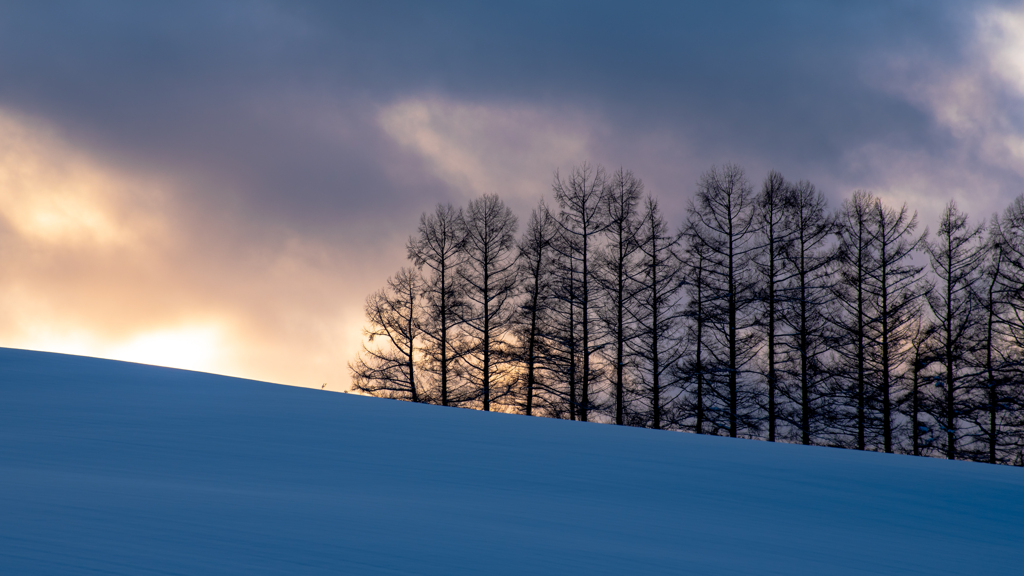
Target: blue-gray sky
x: 218, y: 185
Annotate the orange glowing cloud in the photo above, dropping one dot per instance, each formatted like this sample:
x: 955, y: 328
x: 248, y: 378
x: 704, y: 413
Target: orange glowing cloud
x: 103, y: 262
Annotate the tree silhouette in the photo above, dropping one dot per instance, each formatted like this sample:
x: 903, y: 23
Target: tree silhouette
x: 387, y: 367
x: 438, y: 247
x: 488, y: 278
x: 721, y: 217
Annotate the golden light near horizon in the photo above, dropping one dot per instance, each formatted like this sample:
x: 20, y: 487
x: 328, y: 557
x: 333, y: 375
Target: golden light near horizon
x: 99, y: 261
x: 186, y: 347
x: 63, y: 208
x: 185, y: 206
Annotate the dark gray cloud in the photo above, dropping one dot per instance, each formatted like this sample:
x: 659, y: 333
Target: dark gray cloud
x: 184, y: 84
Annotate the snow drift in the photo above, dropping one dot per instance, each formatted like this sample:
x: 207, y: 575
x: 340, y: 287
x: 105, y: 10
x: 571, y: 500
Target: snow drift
x: 117, y: 468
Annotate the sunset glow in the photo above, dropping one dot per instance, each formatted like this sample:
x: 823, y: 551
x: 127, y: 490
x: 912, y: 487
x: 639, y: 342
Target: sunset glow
x: 191, y: 348
x: 51, y: 194
x: 736, y: 285
x: 100, y: 263
x: 219, y: 186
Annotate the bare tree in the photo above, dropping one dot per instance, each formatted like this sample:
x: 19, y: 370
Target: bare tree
x: 615, y: 265
x: 770, y: 215
x: 580, y: 221
x: 856, y: 259
x: 810, y: 261
x: 990, y: 353
x: 895, y: 290
x: 560, y: 334
x: 1003, y: 383
x: 956, y: 257
x: 694, y: 369
x: 488, y: 275
x: 535, y: 273
x: 924, y: 353
x: 387, y: 368
x: 658, y: 343
x: 438, y: 247
x: 721, y: 218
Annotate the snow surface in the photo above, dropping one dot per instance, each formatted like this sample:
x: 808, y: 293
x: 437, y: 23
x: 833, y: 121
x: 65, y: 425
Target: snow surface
x: 117, y: 468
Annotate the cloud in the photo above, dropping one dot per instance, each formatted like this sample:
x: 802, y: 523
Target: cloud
x: 974, y: 151
x: 239, y: 176
x: 1001, y: 35
x: 981, y: 103
x: 509, y: 150
x: 52, y: 195
x: 107, y: 262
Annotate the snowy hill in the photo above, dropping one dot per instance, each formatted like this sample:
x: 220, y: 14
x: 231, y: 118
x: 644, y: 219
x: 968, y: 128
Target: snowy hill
x: 116, y: 468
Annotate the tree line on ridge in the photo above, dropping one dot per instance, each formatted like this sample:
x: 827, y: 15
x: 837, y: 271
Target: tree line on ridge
x: 765, y: 314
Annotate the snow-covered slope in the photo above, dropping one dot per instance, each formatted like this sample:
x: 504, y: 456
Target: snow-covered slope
x: 115, y: 468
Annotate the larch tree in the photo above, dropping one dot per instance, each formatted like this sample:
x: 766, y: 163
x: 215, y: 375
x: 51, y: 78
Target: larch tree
x: 923, y: 354
x: 488, y: 276
x: 990, y: 356
x: 438, y: 248
x: 810, y: 258
x: 560, y: 333
x: 657, y: 314
x: 1005, y: 394
x: 615, y: 267
x: 695, y: 281
x: 580, y: 223
x: 721, y: 217
x: 895, y: 290
x: 535, y: 275
x: 956, y: 256
x: 387, y: 366
x: 850, y: 311
x: 770, y: 215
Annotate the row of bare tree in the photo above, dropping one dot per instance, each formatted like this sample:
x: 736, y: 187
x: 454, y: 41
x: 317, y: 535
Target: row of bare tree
x: 765, y: 315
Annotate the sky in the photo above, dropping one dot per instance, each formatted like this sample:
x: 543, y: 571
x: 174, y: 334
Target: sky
x: 219, y: 185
